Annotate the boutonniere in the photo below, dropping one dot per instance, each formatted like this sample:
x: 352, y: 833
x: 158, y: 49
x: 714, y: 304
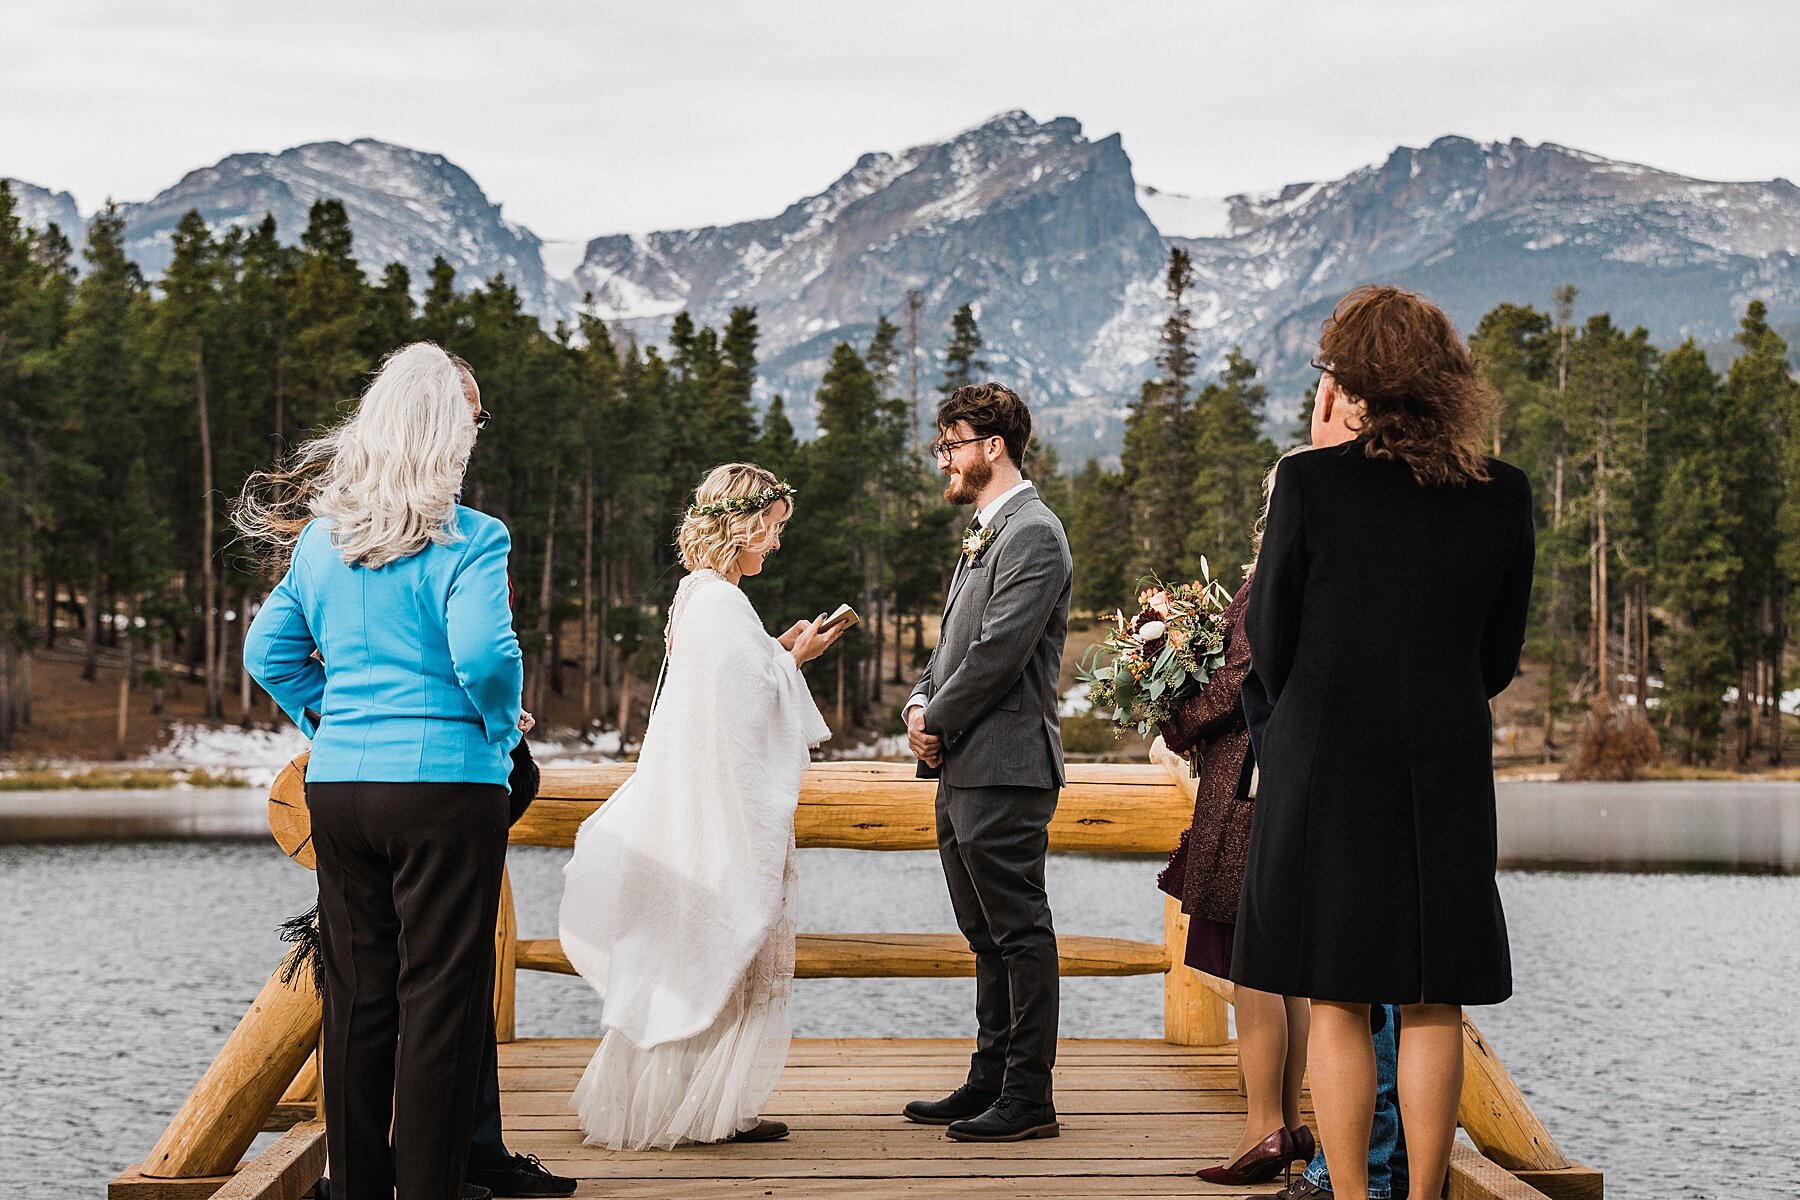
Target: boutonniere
x: 975, y: 544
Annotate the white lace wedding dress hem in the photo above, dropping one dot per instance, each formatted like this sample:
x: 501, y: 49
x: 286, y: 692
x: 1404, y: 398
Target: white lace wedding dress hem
x: 707, y: 1087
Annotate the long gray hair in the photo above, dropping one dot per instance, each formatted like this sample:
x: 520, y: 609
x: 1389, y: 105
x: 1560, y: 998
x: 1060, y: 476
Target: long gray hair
x: 386, y: 478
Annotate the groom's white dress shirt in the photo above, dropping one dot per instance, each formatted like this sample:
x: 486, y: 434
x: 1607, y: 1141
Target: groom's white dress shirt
x: 986, y: 516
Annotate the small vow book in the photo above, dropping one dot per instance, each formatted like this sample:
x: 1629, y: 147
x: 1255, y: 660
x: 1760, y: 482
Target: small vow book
x: 845, y: 616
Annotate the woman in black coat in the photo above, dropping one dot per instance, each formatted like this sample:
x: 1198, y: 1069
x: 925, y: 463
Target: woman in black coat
x: 1389, y: 607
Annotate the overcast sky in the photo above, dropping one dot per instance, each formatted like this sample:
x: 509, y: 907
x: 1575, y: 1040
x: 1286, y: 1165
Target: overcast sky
x: 586, y: 117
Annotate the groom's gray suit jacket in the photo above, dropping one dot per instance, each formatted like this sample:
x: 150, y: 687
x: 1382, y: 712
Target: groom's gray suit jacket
x: 992, y: 681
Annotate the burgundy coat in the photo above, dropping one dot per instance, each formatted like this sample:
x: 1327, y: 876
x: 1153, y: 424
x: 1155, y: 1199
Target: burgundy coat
x: 1206, y: 870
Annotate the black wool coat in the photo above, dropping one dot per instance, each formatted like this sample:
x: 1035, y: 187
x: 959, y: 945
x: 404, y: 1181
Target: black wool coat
x: 1385, y: 615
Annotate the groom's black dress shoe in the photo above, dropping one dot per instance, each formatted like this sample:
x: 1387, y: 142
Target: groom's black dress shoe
x: 521, y: 1175
x: 1008, y: 1120
x: 964, y: 1102
x: 322, y: 1191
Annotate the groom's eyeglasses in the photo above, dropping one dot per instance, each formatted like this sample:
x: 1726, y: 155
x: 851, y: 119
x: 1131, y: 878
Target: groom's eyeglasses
x: 944, y: 450
x: 482, y: 417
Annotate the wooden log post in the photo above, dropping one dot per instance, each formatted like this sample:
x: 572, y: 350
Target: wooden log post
x: 1496, y: 1115
x: 227, y: 1108
x: 1193, y: 1013
x: 304, y: 1099
x: 506, y: 963
x: 285, y: 1171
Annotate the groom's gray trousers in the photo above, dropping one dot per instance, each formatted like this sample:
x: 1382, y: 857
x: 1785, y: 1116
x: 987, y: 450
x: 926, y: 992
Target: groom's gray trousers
x: 993, y: 841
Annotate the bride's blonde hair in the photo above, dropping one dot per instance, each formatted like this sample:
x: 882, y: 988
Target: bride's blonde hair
x: 713, y: 540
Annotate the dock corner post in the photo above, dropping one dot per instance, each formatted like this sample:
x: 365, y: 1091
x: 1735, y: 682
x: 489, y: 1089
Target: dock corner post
x: 228, y: 1107
x: 1193, y: 1014
x: 506, y: 962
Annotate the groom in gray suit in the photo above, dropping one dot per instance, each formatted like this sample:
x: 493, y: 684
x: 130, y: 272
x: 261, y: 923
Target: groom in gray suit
x: 983, y: 723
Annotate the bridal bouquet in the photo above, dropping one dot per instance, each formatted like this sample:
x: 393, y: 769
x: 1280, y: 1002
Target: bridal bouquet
x: 1149, y: 663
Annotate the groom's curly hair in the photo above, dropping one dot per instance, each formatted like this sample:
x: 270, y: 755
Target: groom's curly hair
x: 992, y: 410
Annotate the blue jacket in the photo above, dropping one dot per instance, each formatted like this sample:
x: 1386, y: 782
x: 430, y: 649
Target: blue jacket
x: 421, y: 675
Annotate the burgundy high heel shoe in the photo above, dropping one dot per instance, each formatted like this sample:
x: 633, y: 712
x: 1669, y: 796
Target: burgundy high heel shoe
x: 1305, y: 1147
x: 1259, y: 1164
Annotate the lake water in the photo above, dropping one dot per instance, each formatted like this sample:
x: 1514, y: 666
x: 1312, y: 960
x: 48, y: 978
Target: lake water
x: 1653, y: 1026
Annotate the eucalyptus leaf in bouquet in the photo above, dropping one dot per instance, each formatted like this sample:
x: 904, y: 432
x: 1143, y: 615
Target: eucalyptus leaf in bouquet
x: 1147, y: 664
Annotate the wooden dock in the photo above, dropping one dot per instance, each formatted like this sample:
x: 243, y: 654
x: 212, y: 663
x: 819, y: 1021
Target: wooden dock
x: 1138, y: 1116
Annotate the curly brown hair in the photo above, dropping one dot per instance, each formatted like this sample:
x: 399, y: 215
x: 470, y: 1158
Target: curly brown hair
x: 992, y: 410
x: 1423, y: 402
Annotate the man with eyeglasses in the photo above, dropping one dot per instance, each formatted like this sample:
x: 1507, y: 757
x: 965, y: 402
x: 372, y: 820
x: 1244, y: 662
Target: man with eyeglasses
x: 983, y: 723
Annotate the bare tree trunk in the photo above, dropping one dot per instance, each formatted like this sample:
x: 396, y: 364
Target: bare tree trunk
x: 587, y: 588
x: 1602, y: 552
x: 279, y: 440
x: 1746, y: 686
x: 624, y: 703
x: 914, y: 302
x: 129, y: 644
x: 246, y: 689
x: 840, y: 693
x: 8, y: 690
x: 90, y: 666
x: 1777, y: 640
x: 156, y: 666
x: 545, y: 652
x: 209, y: 584
x: 125, y: 688
x: 603, y: 656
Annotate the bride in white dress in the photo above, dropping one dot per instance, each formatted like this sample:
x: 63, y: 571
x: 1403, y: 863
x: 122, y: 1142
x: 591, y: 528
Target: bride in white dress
x: 678, y: 904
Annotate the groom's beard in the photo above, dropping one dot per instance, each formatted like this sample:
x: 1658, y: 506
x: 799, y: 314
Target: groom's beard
x: 973, y: 480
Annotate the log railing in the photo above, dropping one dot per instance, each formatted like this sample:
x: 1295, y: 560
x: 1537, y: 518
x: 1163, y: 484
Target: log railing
x: 1112, y: 808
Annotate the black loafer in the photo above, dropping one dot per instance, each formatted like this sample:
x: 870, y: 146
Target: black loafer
x: 521, y: 1175
x: 965, y: 1102
x: 763, y: 1131
x: 322, y: 1191
x: 1008, y: 1120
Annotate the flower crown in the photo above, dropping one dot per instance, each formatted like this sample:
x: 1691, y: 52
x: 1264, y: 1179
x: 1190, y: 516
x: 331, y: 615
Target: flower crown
x: 744, y: 504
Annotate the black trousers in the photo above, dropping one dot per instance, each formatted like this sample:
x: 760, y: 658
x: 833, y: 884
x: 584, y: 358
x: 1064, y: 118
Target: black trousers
x: 993, y: 841
x: 487, y: 1143
x: 409, y: 884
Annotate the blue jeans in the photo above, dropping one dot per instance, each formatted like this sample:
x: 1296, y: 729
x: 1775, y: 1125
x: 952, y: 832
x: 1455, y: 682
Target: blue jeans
x: 1387, y: 1144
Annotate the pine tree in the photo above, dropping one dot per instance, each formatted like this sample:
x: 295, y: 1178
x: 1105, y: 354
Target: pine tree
x: 1753, y: 422
x: 392, y: 315
x: 36, y: 290
x: 325, y: 354
x: 963, y: 364
x: 776, y: 446
x: 111, y: 534
x: 1158, y: 455
x: 444, y: 317
x: 1099, y: 527
x: 734, y: 415
x: 1230, y: 457
x: 1695, y: 559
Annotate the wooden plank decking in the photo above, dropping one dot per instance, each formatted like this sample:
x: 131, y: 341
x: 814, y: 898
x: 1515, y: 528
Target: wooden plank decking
x: 1137, y: 1118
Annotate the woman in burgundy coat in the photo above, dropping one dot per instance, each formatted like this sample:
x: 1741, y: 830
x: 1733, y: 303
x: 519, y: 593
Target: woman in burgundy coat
x: 1206, y: 873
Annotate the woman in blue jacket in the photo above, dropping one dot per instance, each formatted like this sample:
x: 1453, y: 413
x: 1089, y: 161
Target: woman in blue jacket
x: 389, y: 641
